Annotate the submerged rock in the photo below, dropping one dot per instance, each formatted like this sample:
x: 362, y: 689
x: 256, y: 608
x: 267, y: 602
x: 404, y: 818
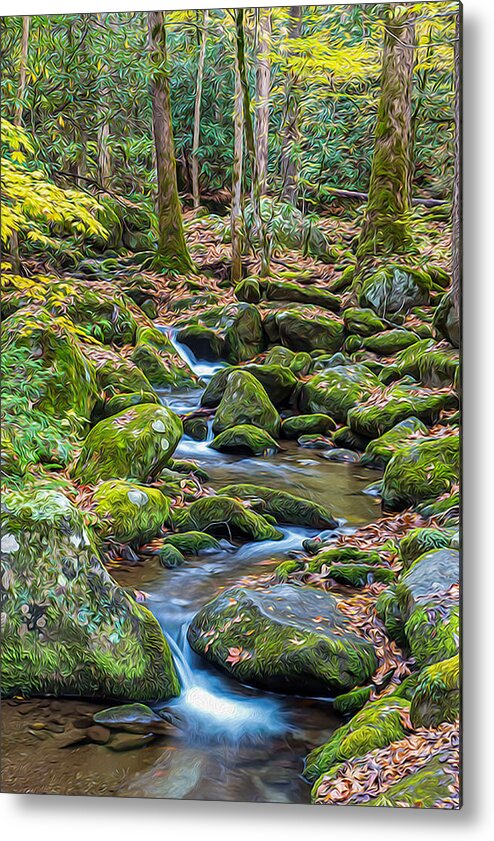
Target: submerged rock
x: 283, y: 506
x: 130, y: 718
x: 130, y: 513
x: 135, y: 444
x: 245, y: 438
x: 67, y: 627
x: 283, y: 639
x: 220, y: 515
x: 245, y: 402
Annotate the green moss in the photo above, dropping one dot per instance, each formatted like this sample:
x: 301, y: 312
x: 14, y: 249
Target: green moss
x: 337, y: 390
x: 352, y: 344
x: 433, y: 632
x: 115, y: 374
x: 395, y: 289
x: 245, y: 438
x: 437, y: 696
x: 358, y: 575
x: 447, y: 508
x: 284, y: 290
x: 447, y: 321
x: 196, y: 427
x: 135, y: 444
x: 245, y: 401
x: 220, y: 515
x: 130, y: 513
x: 421, y: 540
x: 283, y: 506
x: 278, y: 381
x: 121, y: 402
x: 421, y: 471
x: 396, y: 404
x: 301, y: 364
x: 351, y: 702
x: 382, y: 449
x: 170, y: 556
x: 377, y: 725
x: 249, y: 290
x: 304, y: 329
x: 162, y: 371
x: 193, y: 542
x: 346, y: 437
x: 315, y: 424
x: 186, y: 467
x: 390, y: 342
x: 244, y: 336
x: 433, y: 365
x: 426, y: 788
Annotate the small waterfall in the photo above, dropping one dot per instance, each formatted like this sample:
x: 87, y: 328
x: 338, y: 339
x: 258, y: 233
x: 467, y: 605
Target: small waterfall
x: 202, y: 368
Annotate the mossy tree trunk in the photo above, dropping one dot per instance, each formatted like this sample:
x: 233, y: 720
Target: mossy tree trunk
x: 291, y: 133
x: 456, y: 211
x: 250, y: 145
x: 385, y: 231
x: 172, y: 249
x: 197, y: 111
x: 238, y: 154
x: 263, y: 85
x: 21, y: 92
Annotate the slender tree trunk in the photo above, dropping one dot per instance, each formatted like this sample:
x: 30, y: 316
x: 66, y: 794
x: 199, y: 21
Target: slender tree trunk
x: 263, y: 84
x: 172, y: 248
x: 104, y: 159
x: 21, y: 91
x: 290, y: 132
x: 238, y: 154
x: 197, y: 112
x: 385, y: 230
x: 251, y: 147
x: 456, y: 210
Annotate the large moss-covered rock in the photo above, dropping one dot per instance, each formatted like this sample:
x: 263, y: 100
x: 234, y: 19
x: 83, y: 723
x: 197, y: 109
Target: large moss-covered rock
x: 193, y: 542
x: 130, y: 513
x: 377, y: 725
x: 163, y: 369
x: 245, y: 401
x: 121, y: 402
x: 395, y: 404
x: 435, y: 365
x: 315, y: 424
x: 225, y: 517
x: 421, y: 471
x: 429, y: 577
x: 286, y: 290
x: 303, y: 329
x: 337, y: 390
x: 289, y: 639
x: 283, y: 506
x: 447, y: 321
x: 390, y: 342
x: 437, y: 696
x: 426, y: 788
x: 68, y: 388
x: 116, y: 374
x: 395, y: 289
x: 245, y: 438
x: 135, y: 444
x: 67, y: 627
x: 244, y: 336
x: 381, y: 450
x: 250, y: 289
x: 362, y: 322
x: 278, y: 381
x: 421, y: 540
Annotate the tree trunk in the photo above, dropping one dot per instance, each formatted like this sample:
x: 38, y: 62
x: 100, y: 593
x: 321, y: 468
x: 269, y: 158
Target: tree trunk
x: 456, y: 210
x: 259, y: 224
x: 385, y: 230
x: 290, y: 132
x: 21, y: 91
x: 238, y: 154
x: 197, y: 112
x: 104, y: 160
x: 263, y: 84
x: 172, y: 249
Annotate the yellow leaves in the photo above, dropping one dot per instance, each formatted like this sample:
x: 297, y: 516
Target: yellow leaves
x: 18, y: 156
x: 61, y: 120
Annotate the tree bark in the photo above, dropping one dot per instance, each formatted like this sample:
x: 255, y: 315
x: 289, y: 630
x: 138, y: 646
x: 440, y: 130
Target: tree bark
x: 21, y: 89
x: 263, y: 84
x: 259, y: 224
x: 291, y: 132
x: 238, y: 154
x: 104, y: 159
x: 172, y: 249
x: 456, y: 210
x: 197, y: 112
x: 385, y: 230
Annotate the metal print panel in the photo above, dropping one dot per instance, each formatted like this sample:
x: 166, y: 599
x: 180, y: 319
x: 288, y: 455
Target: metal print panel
x: 230, y: 414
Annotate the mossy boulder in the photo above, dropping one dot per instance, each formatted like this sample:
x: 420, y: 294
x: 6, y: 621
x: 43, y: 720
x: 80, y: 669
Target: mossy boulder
x: 212, y: 394
x: 429, y: 577
x: 289, y: 639
x: 130, y: 513
x: 421, y: 471
x: 279, y: 382
x: 121, y: 402
x: 170, y: 556
x: 285, y: 290
x: 381, y: 450
x: 377, y: 725
x: 395, y: 289
x: 395, y: 404
x: 193, y: 542
x: 315, y: 424
x: 68, y: 388
x: 67, y: 627
x: 163, y: 370
x: 283, y: 506
x: 304, y: 329
x: 421, y: 540
x: 346, y: 437
x: 204, y: 342
x: 337, y: 390
x: 135, y: 444
x: 225, y: 517
x: 106, y: 315
x: 116, y: 374
x: 299, y: 363
x: 446, y: 509
x: 447, y: 321
x: 243, y: 333
x: 390, y: 342
x: 351, y: 702
x: 437, y: 696
x: 249, y: 289
x: 245, y: 401
x: 362, y: 322
x: 196, y: 427
x: 435, y: 365
x: 245, y: 438
x: 426, y: 788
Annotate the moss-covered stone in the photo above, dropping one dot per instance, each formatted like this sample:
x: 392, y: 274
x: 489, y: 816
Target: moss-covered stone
x: 279, y: 382
x: 67, y: 627
x: 346, y: 437
x: 135, y: 444
x: 193, y: 542
x: 362, y: 322
x: 196, y: 427
x: 244, y: 336
x: 447, y: 321
x: 435, y: 365
x: 285, y: 290
x: 352, y: 344
x: 351, y: 702
x: 433, y: 631
x: 170, y: 556
x: 245, y: 438
x: 421, y: 540
x: 289, y: 639
x: 283, y: 506
x: 162, y: 369
x: 390, y: 342
x: 377, y: 725
x: 437, y: 696
x: 395, y: 404
x: 225, y: 517
x: 249, y: 289
x: 121, y: 402
x: 204, y: 342
x: 337, y: 390
x: 429, y: 577
x: 395, y: 289
x: 245, y: 401
x: 130, y: 513
x: 447, y: 508
x: 304, y: 329
x: 315, y: 424
x: 421, y: 471
x: 381, y: 450
x: 427, y: 788
x: 116, y: 374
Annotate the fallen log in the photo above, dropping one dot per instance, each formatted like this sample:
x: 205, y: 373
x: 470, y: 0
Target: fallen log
x: 354, y: 194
